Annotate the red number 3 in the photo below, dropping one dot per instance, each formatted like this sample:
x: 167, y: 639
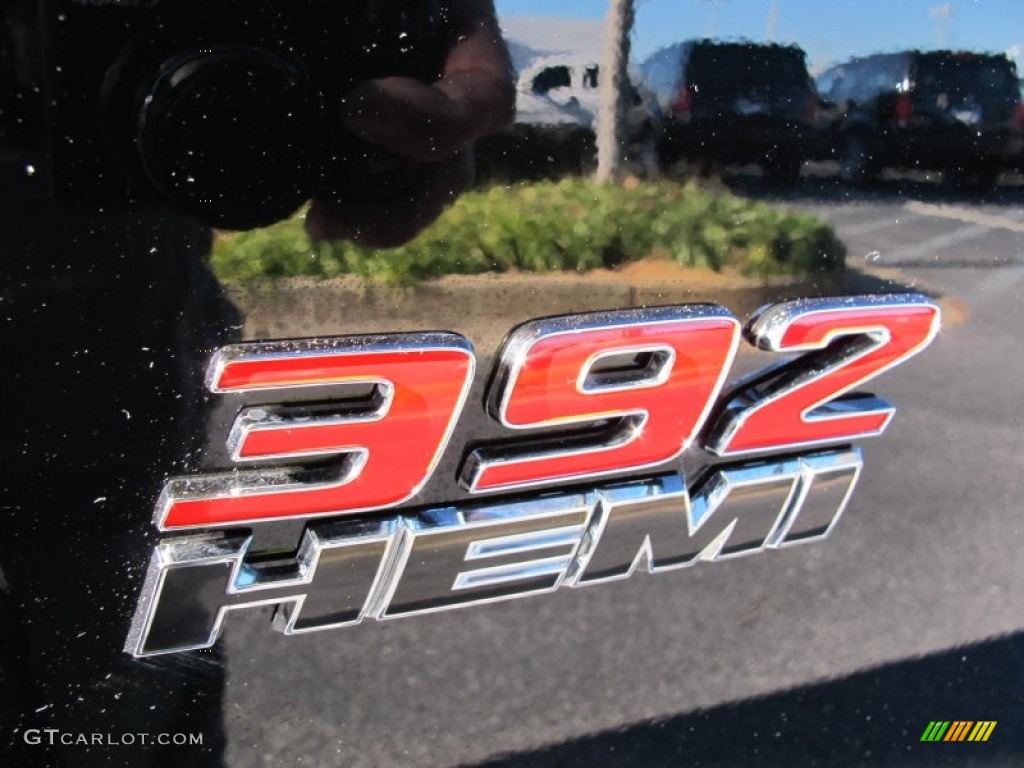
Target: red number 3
x: 392, y: 402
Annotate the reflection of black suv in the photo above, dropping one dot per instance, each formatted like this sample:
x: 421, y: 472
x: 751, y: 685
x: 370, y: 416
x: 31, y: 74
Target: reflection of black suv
x: 733, y: 103
x: 958, y: 112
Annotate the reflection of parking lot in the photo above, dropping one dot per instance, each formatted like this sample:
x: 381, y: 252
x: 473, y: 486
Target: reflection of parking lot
x: 900, y: 180
x: 911, y: 220
x: 926, y: 560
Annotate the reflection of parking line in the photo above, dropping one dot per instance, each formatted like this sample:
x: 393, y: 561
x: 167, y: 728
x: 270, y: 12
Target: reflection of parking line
x: 933, y: 245
x: 872, y: 225
x: 966, y: 215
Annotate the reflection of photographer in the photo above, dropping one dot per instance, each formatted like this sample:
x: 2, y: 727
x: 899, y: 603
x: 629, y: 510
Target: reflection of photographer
x: 135, y: 128
x: 432, y: 124
x: 238, y: 112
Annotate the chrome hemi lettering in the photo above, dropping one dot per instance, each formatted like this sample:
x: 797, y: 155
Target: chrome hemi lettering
x: 487, y: 553
x: 450, y: 557
x: 193, y: 582
x: 738, y: 511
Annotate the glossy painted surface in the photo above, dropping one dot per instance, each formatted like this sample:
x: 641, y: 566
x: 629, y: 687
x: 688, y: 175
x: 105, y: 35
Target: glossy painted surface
x: 840, y: 652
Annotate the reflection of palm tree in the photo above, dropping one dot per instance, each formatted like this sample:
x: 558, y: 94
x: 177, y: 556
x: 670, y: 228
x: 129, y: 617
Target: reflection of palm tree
x: 611, y: 117
x: 771, y: 29
x: 940, y: 15
x: 713, y: 16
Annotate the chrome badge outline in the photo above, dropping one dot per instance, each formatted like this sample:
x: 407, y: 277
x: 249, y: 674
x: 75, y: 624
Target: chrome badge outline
x: 578, y: 530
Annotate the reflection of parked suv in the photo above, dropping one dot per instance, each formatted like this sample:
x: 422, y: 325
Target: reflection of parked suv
x: 733, y: 103
x: 958, y: 112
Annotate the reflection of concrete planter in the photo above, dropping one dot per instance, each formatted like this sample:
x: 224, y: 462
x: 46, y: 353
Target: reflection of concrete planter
x: 486, y: 307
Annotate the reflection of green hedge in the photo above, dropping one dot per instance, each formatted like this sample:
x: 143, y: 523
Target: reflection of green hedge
x: 570, y: 225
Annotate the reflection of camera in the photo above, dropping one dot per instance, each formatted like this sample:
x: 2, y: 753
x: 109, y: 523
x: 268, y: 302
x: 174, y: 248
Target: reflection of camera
x: 225, y: 109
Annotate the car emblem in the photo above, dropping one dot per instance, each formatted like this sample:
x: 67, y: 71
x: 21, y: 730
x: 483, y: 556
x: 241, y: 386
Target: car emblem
x: 344, y: 433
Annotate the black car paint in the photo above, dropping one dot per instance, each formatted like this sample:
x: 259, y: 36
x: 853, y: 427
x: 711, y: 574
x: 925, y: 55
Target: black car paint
x: 109, y: 318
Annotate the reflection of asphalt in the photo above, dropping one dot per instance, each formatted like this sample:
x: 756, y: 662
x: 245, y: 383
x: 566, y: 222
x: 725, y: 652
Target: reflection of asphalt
x: 873, y: 718
x: 926, y: 561
x: 908, y: 223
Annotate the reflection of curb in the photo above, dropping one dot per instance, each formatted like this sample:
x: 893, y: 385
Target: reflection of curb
x: 890, y: 280
x: 485, y: 307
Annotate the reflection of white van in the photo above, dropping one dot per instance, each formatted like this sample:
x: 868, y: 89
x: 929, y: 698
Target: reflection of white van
x: 559, y: 90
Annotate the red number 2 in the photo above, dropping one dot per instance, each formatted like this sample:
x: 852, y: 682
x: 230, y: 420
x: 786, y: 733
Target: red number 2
x: 845, y: 342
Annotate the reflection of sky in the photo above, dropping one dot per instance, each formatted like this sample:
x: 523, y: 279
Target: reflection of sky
x: 826, y: 29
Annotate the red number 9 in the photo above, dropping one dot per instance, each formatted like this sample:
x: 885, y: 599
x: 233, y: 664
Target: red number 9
x: 644, y: 380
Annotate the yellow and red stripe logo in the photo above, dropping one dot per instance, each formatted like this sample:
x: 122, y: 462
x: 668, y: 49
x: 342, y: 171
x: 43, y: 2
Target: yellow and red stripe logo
x: 958, y: 730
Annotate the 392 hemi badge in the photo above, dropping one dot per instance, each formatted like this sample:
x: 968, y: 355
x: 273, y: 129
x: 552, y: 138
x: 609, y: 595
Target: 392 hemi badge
x: 590, y: 396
